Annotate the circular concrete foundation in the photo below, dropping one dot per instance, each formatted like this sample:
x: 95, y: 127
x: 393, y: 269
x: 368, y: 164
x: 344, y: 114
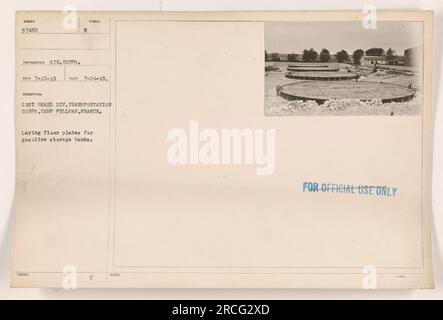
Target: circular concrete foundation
x: 314, y: 69
x: 320, y: 91
x: 321, y: 76
x: 314, y: 65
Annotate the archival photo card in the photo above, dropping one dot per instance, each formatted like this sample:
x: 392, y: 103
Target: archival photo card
x: 148, y: 158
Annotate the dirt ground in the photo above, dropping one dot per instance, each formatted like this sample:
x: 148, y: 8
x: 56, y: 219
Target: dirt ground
x: 278, y: 106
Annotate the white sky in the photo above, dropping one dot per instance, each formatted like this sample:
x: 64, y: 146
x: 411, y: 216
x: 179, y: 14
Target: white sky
x: 293, y: 37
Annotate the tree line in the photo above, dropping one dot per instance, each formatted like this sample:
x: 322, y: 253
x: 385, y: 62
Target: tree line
x: 310, y: 55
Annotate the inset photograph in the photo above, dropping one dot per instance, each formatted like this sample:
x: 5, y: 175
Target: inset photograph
x: 342, y: 68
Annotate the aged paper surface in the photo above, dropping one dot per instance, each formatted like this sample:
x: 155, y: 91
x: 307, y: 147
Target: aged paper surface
x: 212, y: 150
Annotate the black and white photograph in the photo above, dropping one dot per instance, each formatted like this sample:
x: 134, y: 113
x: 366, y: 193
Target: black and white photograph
x: 343, y: 68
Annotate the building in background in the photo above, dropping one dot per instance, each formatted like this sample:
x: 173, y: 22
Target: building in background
x: 372, y: 60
